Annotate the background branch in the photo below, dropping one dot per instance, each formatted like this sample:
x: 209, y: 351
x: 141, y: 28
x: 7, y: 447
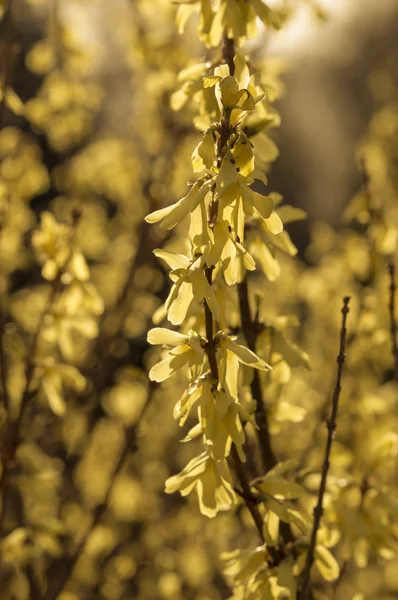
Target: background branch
x: 61, y: 570
x: 393, y: 321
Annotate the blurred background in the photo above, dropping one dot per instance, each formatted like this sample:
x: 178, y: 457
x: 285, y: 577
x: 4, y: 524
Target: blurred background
x: 91, y: 127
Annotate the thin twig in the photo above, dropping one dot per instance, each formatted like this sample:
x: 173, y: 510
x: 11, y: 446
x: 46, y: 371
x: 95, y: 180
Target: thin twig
x: 12, y: 435
x: 61, y: 570
x: 331, y: 426
x: 31, y: 573
x: 393, y: 320
x: 249, y: 328
x: 3, y: 363
x: 7, y: 56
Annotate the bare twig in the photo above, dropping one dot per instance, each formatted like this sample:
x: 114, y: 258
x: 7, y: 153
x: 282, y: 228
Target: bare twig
x: 62, y: 569
x: 31, y: 573
x: 228, y: 53
x: 7, y: 56
x: 249, y: 328
x: 331, y: 426
x: 393, y: 319
x: 3, y: 362
x: 12, y: 435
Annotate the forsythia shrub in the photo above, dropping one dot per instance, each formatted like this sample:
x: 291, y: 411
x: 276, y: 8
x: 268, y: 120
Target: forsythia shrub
x: 246, y: 335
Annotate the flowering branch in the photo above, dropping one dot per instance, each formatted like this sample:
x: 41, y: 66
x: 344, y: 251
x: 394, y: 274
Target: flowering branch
x: 240, y: 472
x: 249, y: 326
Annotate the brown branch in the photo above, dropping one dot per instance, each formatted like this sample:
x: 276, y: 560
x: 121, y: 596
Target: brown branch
x: 250, y: 330
x: 11, y: 441
x: 331, y: 426
x: 393, y: 320
x: 228, y: 53
x: 61, y: 570
x: 7, y: 57
x: 12, y: 434
x: 268, y: 458
x: 31, y: 573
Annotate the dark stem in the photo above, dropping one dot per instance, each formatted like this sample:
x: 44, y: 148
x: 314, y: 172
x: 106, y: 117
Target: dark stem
x: 7, y: 56
x: 31, y: 572
x: 12, y: 435
x: 331, y: 427
x: 393, y: 321
x: 268, y: 458
x: 249, y: 328
x: 62, y: 569
x: 210, y: 349
x: 247, y: 494
x: 228, y: 53
x: 3, y: 362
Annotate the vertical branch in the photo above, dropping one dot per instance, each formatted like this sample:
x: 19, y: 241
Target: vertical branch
x: 11, y: 440
x: 249, y: 327
x: 228, y: 53
x: 7, y: 55
x: 393, y: 321
x: 61, y: 570
x: 268, y: 458
x: 331, y: 426
x: 12, y: 436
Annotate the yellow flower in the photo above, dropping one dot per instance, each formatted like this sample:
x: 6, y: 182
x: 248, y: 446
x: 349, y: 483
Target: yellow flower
x: 64, y: 322
x: 190, y: 283
x: 183, y: 350
x: 173, y: 214
x: 212, y: 481
x: 53, y: 249
x: 220, y: 419
x: 229, y: 355
x: 51, y: 377
x: 265, y: 237
x: 51, y: 243
x: 235, y: 259
x: 204, y: 155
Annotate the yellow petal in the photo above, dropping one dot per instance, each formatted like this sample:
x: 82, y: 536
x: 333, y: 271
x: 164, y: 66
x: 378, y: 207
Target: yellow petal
x: 245, y: 355
x: 326, y: 564
x: 161, y: 335
x: 181, y: 303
